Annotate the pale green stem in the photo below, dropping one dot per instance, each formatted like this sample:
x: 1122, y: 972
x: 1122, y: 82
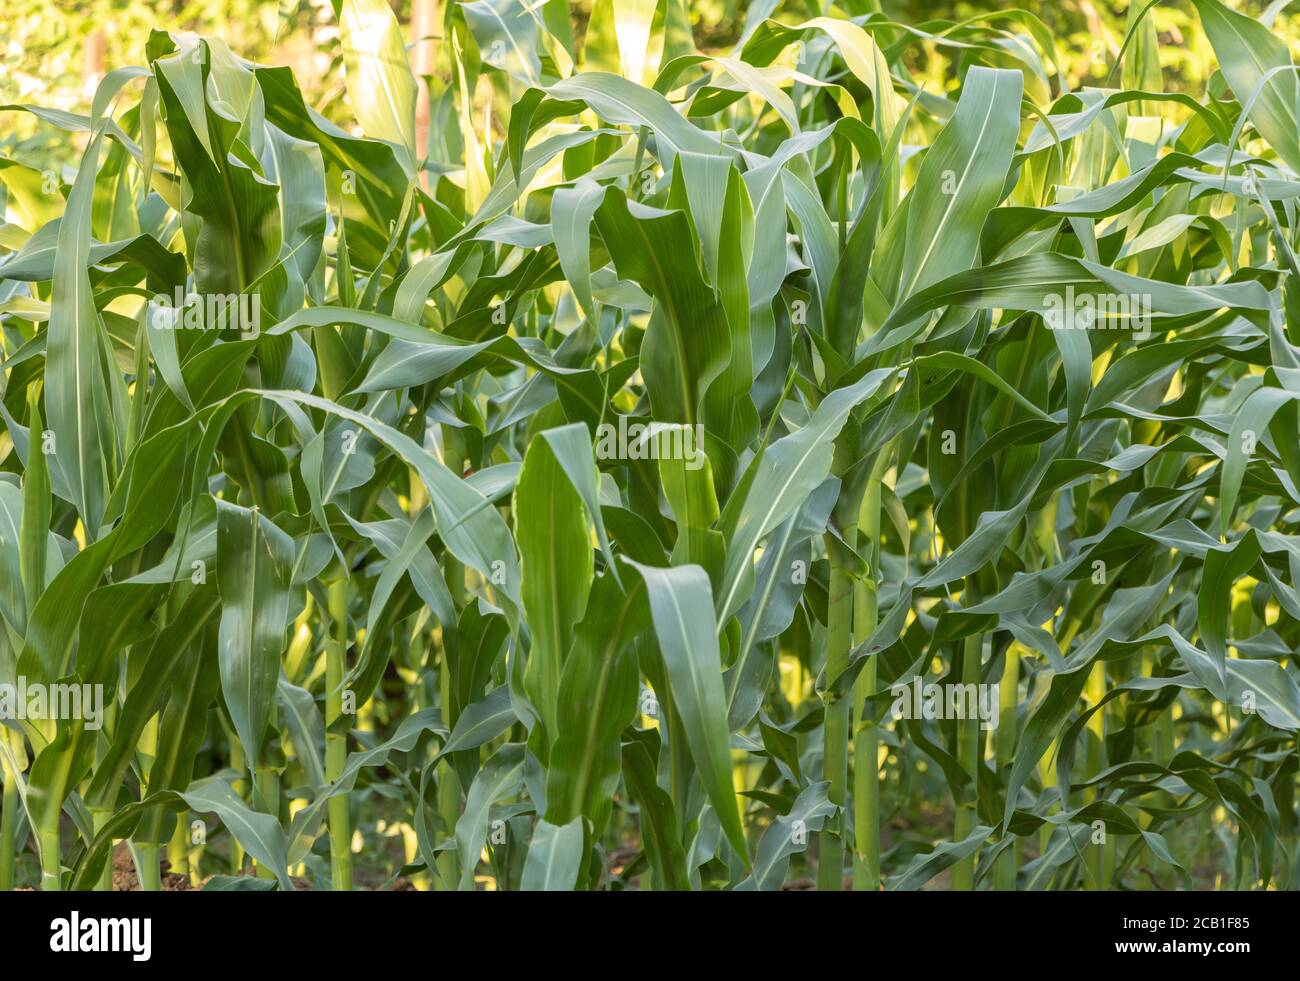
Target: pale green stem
x: 866, y: 737
x: 8, y: 829
x: 835, y: 765
x: 1008, y: 863
x: 448, y: 800
x: 268, y: 796
x: 448, y: 862
x: 866, y: 787
x: 178, y: 854
x: 51, y: 866
x: 240, y: 787
x: 147, y: 868
x: 1100, y: 858
x: 336, y: 743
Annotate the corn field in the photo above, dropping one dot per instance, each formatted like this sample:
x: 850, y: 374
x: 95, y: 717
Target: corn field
x: 863, y: 456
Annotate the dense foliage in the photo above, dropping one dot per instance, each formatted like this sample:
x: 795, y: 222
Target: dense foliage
x: 680, y: 471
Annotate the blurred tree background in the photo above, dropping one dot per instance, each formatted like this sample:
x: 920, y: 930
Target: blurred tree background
x: 54, y: 54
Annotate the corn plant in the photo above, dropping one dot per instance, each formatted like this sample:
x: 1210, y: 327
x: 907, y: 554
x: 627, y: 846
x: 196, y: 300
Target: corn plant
x: 658, y: 468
